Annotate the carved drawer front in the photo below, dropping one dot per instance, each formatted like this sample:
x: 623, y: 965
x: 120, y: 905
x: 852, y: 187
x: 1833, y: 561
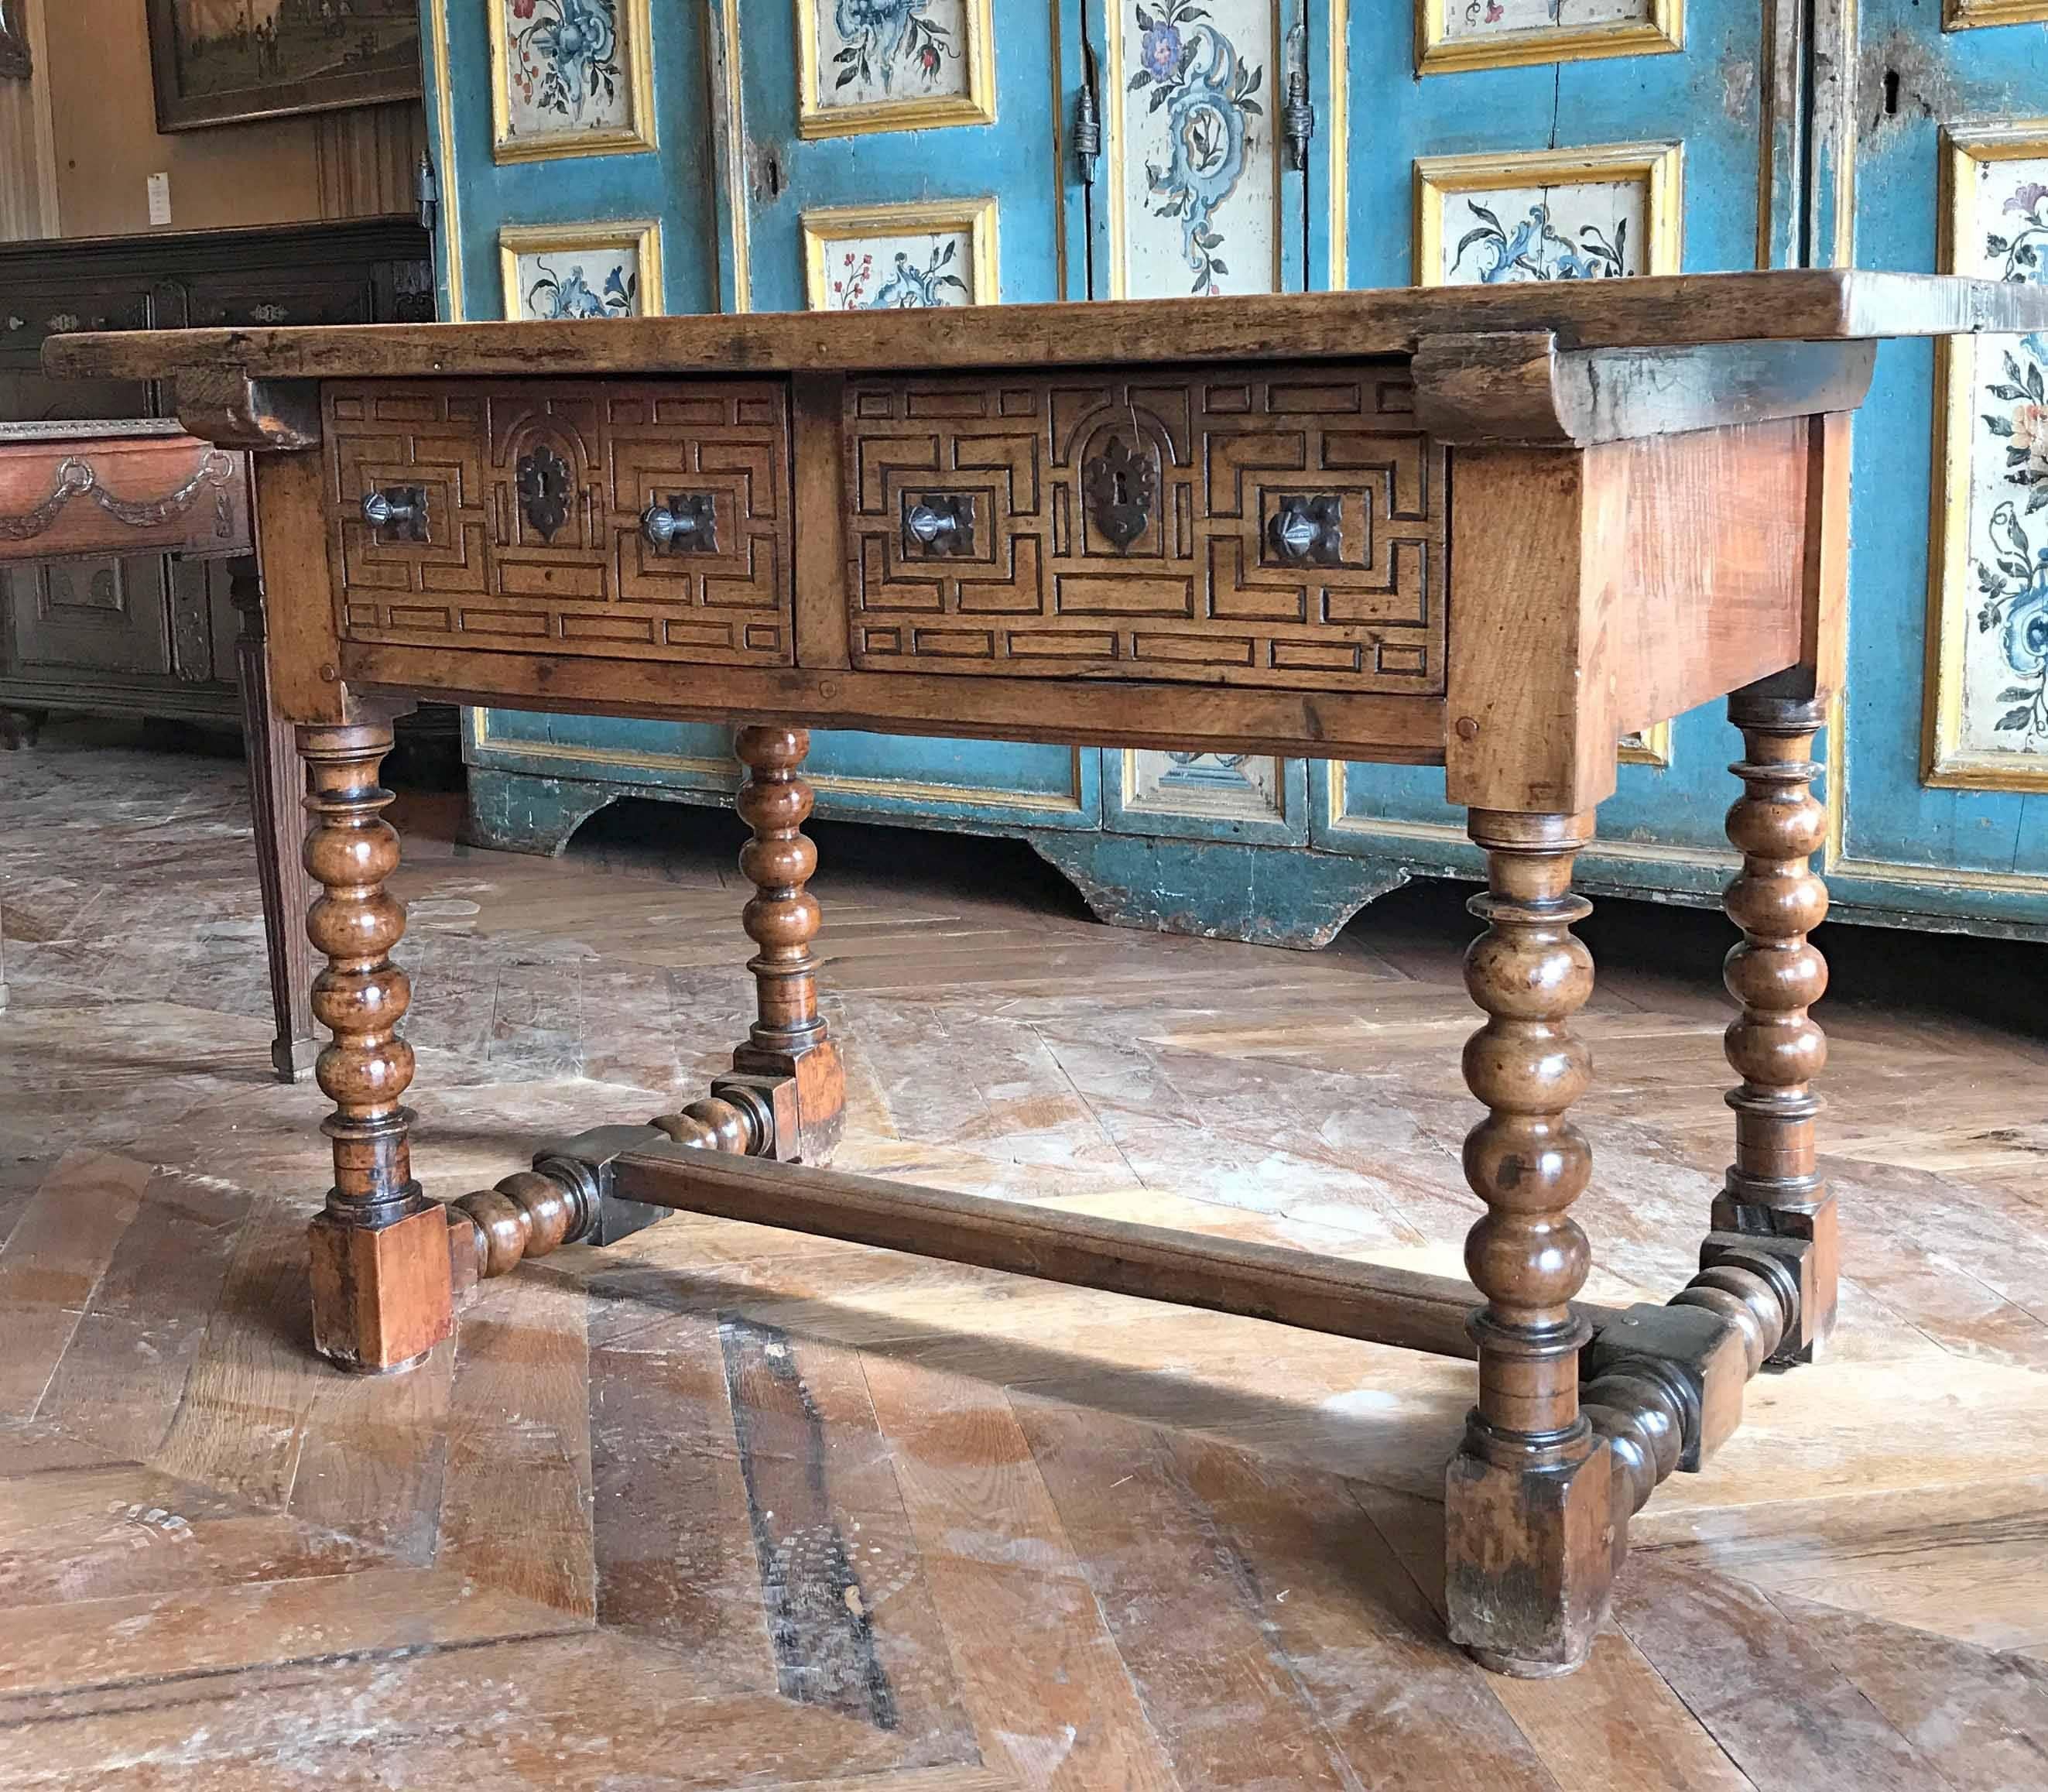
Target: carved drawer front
x: 648, y: 520
x: 1283, y: 526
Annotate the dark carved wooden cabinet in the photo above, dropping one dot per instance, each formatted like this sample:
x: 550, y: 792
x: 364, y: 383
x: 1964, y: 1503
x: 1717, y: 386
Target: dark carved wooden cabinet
x: 146, y: 634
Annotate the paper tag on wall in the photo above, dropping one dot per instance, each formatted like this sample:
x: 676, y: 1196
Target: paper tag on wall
x: 160, y: 199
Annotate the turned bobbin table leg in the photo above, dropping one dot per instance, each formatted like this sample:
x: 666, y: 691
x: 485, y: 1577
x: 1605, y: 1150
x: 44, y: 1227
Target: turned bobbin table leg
x: 380, y: 1250
x: 788, y: 1056
x: 1527, y: 1498
x: 1774, y: 1190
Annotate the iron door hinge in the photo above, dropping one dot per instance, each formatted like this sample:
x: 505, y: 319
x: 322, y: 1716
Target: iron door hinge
x: 1298, y: 115
x: 1087, y: 118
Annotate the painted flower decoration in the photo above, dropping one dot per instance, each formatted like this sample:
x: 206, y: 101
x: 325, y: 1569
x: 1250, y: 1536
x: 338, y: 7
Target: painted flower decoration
x: 1208, y: 95
x: 911, y: 287
x: 569, y: 51
x: 1536, y: 249
x: 557, y: 296
x: 2026, y: 641
x: 1161, y: 51
x: 881, y: 36
x: 2026, y: 198
x: 2030, y: 432
x: 2012, y: 575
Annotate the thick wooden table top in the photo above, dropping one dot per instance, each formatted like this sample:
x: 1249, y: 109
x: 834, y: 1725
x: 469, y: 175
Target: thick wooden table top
x: 1815, y: 305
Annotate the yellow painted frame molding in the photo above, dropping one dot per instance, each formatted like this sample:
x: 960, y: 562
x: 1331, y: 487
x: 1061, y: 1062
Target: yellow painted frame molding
x: 1437, y: 52
x: 1944, y: 763
x: 636, y: 57
x: 641, y: 236
x: 976, y: 106
x: 444, y: 130
x: 1968, y: 15
x: 840, y: 223
x: 1659, y: 168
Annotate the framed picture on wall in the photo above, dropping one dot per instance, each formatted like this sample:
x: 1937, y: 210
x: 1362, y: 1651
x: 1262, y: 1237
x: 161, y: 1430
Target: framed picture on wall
x: 220, y: 62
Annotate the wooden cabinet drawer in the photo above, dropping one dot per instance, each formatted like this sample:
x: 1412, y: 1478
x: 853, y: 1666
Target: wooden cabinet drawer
x: 1283, y: 526
x: 516, y: 516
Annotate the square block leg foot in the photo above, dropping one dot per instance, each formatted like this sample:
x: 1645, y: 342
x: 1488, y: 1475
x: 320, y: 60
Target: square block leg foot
x: 807, y: 1090
x: 381, y: 1295
x: 1808, y: 1237
x: 1531, y: 1556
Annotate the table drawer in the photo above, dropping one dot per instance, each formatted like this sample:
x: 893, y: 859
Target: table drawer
x: 516, y: 515
x: 1281, y: 526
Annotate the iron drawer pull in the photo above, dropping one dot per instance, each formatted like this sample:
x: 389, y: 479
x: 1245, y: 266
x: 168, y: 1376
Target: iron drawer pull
x: 684, y: 522
x: 940, y: 522
x: 1306, y: 529
x: 399, y: 510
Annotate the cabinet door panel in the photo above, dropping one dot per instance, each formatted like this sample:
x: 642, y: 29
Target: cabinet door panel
x: 1947, y: 748
x: 913, y: 161
x: 96, y: 616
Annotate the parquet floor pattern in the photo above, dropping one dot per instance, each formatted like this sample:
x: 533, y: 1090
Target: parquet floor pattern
x: 725, y: 1507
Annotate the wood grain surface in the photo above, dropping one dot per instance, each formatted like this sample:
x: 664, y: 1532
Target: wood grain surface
x: 1816, y: 305
x: 676, y: 1513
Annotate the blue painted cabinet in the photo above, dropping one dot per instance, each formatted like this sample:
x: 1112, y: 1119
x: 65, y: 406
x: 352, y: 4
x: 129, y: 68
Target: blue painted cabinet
x: 909, y: 152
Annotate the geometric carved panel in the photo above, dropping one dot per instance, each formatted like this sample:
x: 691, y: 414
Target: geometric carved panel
x: 561, y: 565
x: 1133, y: 526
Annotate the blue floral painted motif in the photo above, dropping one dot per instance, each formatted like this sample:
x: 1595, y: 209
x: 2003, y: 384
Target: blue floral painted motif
x: 557, y: 296
x: 880, y: 36
x: 907, y: 287
x: 1536, y: 250
x: 2012, y: 572
x: 1209, y: 96
x: 565, y: 55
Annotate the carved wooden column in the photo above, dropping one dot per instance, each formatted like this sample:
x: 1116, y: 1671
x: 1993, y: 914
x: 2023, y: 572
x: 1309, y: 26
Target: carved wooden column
x: 788, y: 1056
x: 380, y: 1251
x: 1528, y: 1502
x: 277, y: 778
x: 1773, y: 1189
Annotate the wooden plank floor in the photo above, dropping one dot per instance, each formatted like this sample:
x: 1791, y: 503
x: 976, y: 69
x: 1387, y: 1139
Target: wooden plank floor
x: 727, y: 1506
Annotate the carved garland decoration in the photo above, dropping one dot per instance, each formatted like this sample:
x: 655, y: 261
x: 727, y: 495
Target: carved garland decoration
x: 76, y: 477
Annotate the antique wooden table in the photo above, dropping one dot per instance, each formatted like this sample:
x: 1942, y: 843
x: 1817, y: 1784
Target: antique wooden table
x: 1489, y: 528
x: 79, y: 488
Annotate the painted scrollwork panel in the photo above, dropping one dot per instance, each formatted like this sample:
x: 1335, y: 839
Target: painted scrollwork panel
x: 901, y: 258
x: 1596, y: 213
x: 870, y: 65
x: 572, y: 273
x: 570, y: 78
x: 1195, y: 205
x: 1986, y: 706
